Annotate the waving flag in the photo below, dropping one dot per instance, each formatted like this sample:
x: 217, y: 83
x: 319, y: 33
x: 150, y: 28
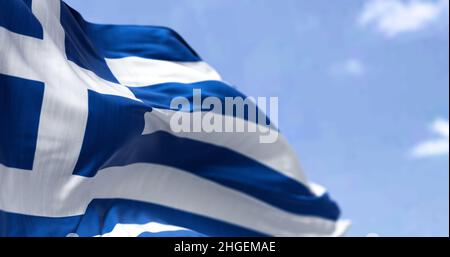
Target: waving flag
x: 86, y: 146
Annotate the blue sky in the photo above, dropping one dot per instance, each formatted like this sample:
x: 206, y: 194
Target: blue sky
x: 363, y: 89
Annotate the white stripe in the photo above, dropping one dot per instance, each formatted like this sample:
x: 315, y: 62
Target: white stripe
x: 184, y: 191
x: 134, y: 230
x: 156, y: 184
x: 278, y: 155
x: 136, y: 71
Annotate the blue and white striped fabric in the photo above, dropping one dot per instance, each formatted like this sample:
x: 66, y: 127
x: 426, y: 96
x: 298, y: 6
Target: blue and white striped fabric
x: 85, y: 150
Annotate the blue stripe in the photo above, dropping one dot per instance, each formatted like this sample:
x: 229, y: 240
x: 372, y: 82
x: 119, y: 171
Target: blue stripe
x: 102, y: 215
x: 87, y: 44
x: 227, y: 168
x: 16, y: 16
x: 113, y: 138
x: 161, y: 95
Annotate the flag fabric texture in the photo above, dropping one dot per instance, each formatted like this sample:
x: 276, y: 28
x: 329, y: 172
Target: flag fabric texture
x: 86, y: 148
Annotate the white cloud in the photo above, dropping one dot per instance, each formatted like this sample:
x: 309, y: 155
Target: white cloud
x: 351, y: 67
x: 354, y: 67
x: 437, y: 146
x: 393, y: 17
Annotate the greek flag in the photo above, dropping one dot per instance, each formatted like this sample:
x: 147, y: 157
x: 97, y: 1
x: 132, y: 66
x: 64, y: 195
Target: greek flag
x: 87, y: 147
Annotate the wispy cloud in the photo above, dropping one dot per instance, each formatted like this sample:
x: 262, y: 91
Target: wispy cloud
x: 436, y: 146
x: 393, y: 17
x: 350, y: 67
